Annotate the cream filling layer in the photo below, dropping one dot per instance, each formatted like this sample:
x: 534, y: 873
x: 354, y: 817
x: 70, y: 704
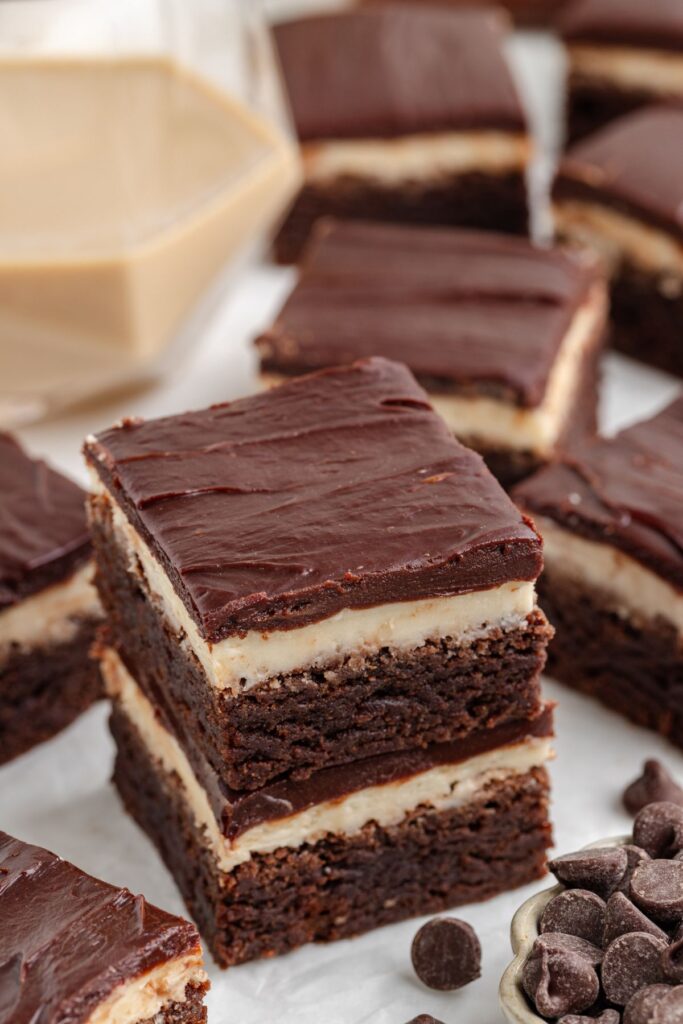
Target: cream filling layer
x: 538, y: 429
x: 631, y: 589
x: 422, y: 157
x: 626, y: 67
x: 241, y: 662
x: 617, y: 236
x: 440, y: 788
x: 53, y: 615
x: 144, y: 997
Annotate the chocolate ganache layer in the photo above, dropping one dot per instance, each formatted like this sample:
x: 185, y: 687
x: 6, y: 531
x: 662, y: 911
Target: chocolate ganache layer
x: 657, y: 24
x: 43, y: 530
x: 471, y: 309
x: 340, y: 489
x: 626, y: 491
x: 390, y: 71
x: 67, y: 940
x: 615, y: 166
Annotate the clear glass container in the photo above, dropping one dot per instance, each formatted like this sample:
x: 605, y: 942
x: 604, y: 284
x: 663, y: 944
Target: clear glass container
x: 145, y: 148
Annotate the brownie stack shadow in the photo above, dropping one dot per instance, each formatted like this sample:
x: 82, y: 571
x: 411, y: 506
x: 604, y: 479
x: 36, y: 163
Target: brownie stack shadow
x: 324, y: 653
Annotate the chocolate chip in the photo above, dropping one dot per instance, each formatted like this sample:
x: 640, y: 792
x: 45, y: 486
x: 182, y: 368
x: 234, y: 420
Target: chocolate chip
x: 657, y: 888
x: 672, y: 962
x: 606, y: 1017
x: 669, y: 1009
x: 622, y: 916
x: 641, y: 1007
x: 635, y: 856
x: 446, y: 954
x: 559, y: 983
x: 658, y: 828
x: 599, y: 870
x: 575, y: 912
x: 631, y: 962
x: 653, y: 786
x: 558, y: 942
x: 424, y: 1018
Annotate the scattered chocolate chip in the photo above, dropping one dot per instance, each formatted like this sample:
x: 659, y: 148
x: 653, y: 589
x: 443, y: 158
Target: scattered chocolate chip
x: 575, y: 912
x: 631, y: 962
x: 657, y: 888
x: 599, y: 870
x: 606, y: 1017
x: 424, y: 1018
x: 446, y: 954
x: 641, y: 1007
x: 669, y: 1009
x: 557, y: 942
x: 658, y: 829
x: 653, y: 786
x: 635, y: 856
x: 672, y: 962
x: 559, y: 983
x: 622, y: 916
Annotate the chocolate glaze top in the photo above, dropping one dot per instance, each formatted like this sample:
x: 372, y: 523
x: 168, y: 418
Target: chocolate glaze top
x: 43, y: 531
x: 618, y: 166
x: 340, y: 489
x: 67, y: 939
x: 656, y: 24
x: 397, y: 71
x: 626, y: 491
x: 466, y: 310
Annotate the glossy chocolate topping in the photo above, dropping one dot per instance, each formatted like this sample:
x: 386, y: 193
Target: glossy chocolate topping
x: 626, y: 491
x: 467, y: 311
x: 43, y: 532
x: 340, y: 489
x: 656, y: 24
x: 634, y: 165
x: 67, y: 939
x: 397, y: 71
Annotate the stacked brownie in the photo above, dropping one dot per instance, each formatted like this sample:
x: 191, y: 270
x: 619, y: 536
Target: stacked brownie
x: 324, y: 657
x: 620, y: 191
x: 622, y: 55
x: 505, y: 336
x: 49, y: 609
x: 525, y: 12
x: 405, y: 113
x: 74, y: 950
x: 612, y: 524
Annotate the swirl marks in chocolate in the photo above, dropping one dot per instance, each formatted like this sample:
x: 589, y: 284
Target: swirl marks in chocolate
x: 340, y: 489
x: 43, y: 531
x: 67, y: 940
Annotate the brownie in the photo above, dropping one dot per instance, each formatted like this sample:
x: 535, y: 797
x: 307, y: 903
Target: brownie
x: 503, y: 334
x: 623, y: 54
x: 613, y: 581
x: 74, y: 948
x: 535, y: 13
x: 48, y: 607
x: 620, y: 191
x: 404, y: 113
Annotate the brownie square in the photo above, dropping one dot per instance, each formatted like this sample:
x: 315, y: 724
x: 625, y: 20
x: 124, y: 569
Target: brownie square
x: 612, y: 526
x: 76, y: 949
x: 323, y: 648
x: 621, y: 192
x: 505, y: 336
x: 404, y: 113
x: 622, y: 55
x: 48, y: 607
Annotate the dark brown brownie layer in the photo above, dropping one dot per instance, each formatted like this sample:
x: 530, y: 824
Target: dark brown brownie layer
x: 304, y: 721
x: 45, y: 689
x: 657, y: 25
x: 525, y: 12
x: 191, y: 1011
x: 634, y: 667
x: 592, y: 105
x: 647, y: 317
x: 340, y: 886
x: 490, y: 202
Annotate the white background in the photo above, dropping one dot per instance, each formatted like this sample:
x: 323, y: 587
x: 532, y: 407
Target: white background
x: 59, y: 795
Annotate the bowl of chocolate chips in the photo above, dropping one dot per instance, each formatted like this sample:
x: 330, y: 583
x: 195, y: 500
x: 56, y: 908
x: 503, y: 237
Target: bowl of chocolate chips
x: 605, y: 945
